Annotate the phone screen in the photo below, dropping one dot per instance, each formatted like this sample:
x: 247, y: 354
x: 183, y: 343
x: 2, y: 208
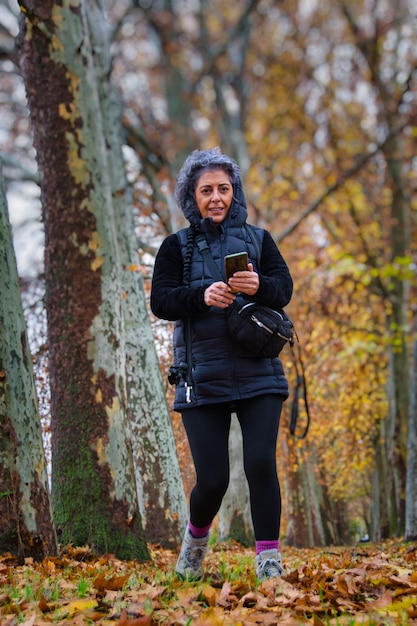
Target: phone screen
x: 235, y: 263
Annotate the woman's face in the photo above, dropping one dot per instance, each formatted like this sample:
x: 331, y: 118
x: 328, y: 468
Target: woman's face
x: 214, y: 194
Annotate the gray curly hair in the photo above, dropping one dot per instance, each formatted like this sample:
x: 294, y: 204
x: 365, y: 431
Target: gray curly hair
x: 198, y: 162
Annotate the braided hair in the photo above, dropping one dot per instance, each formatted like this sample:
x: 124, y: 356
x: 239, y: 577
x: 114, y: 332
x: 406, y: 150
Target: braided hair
x: 188, y: 255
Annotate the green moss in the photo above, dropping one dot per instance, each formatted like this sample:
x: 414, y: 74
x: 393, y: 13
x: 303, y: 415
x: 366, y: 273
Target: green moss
x: 238, y: 531
x: 84, y: 512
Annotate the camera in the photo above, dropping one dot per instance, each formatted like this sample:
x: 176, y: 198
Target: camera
x: 176, y: 373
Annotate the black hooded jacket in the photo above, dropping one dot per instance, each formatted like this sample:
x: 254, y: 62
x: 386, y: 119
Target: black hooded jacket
x: 219, y: 372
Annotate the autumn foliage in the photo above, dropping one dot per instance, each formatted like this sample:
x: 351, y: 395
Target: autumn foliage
x: 373, y: 584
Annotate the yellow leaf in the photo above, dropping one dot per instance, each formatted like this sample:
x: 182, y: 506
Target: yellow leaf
x: 398, y: 607
x: 209, y: 595
x: 78, y: 606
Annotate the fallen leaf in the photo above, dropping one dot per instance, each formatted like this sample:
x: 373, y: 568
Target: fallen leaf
x: 78, y: 606
x: 44, y: 606
x: 115, y: 583
x: 209, y: 595
x: 145, y: 620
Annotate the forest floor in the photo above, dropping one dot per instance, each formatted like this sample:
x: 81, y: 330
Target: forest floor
x: 367, y: 584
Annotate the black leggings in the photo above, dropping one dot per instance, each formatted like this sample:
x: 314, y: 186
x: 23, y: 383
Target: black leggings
x: 207, y: 429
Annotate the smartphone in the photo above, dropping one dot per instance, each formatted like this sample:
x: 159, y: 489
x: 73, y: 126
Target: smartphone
x: 235, y: 263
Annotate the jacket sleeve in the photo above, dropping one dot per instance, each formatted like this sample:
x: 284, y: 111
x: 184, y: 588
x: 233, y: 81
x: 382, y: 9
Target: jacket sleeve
x: 170, y: 299
x: 275, y: 282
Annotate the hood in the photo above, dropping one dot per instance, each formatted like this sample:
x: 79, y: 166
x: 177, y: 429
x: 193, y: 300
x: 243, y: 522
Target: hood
x: 195, y: 163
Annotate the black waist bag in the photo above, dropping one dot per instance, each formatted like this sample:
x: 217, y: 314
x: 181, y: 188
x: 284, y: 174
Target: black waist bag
x: 254, y: 328
x: 258, y: 329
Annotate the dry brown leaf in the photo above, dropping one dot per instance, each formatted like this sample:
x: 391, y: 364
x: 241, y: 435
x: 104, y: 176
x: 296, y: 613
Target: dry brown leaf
x: 348, y: 605
x: 187, y: 595
x: 250, y: 599
x: 281, y: 589
x: 310, y: 604
x: 153, y: 592
x: 265, y: 619
x: 96, y: 616
x: 226, y: 590
x: 403, y: 579
x: 381, y: 602
x: 213, y: 616
x: 227, y: 599
x: 145, y: 620
x: 43, y: 605
x: 115, y: 583
x: 209, y: 595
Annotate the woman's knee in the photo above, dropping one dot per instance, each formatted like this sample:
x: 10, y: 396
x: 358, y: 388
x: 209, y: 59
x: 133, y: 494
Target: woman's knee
x: 260, y: 469
x: 213, y: 486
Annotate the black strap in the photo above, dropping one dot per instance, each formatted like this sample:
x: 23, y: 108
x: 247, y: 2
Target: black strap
x: 206, y: 254
x: 255, y: 242
x: 300, y: 385
x: 187, y: 335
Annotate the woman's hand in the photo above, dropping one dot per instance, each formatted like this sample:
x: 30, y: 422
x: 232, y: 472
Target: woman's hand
x: 218, y: 294
x: 245, y: 282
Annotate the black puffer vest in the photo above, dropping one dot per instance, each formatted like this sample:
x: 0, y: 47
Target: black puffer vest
x: 219, y: 373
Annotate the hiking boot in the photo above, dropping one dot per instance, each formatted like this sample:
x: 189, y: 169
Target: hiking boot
x: 268, y: 564
x: 192, y: 553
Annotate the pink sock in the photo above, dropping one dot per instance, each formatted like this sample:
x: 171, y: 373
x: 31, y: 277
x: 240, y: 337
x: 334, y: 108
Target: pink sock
x: 198, y: 532
x: 267, y: 545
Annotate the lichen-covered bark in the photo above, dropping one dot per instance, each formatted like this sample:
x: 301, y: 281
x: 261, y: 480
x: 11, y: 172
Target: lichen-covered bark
x: 161, y: 493
x: 102, y: 356
x: 235, y: 519
x: 93, y: 487
x: 26, y: 527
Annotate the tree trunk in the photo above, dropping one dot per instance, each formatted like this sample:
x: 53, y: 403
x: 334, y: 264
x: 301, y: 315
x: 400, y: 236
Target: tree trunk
x: 398, y: 245
x: 294, y: 498
x: 26, y: 526
x: 158, y: 476
x: 117, y: 337
x: 312, y: 517
x: 235, y: 519
x: 411, y: 484
x: 399, y: 395
x: 73, y: 115
x: 380, y: 504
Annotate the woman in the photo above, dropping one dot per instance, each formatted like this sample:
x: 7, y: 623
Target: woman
x: 213, y: 377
